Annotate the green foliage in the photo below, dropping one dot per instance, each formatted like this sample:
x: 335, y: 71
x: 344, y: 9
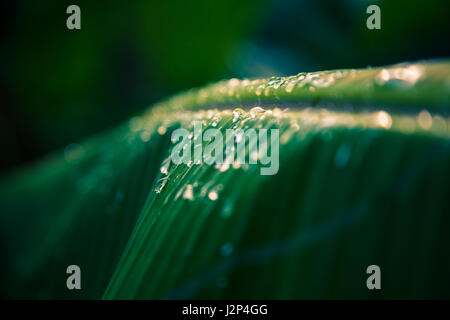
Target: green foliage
x: 363, y: 179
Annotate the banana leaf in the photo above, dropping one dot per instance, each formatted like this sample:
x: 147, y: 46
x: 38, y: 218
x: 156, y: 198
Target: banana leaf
x: 363, y: 179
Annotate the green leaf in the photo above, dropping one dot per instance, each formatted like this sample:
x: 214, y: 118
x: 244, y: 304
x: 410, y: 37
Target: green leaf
x: 363, y: 179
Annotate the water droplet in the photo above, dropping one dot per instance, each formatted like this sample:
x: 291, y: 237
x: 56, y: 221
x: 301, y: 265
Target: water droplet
x: 160, y: 184
x: 189, y: 192
x: 213, y: 195
x: 403, y: 76
x: 294, y: 124
x: 342, y: 156
x: 239, y: 137
x: 227, y: 209
x: 259, y: 90
x: 162, y: 130
x: 425, y: 120
x: 277, y: 112
x: 145, y: 136
x: 227, y: 249
x: 439, y: 123
x: 256, y: 110
x: 233, y: 82
x: 223, y: 167
x: 237, y: 114
x: 290, y: 86
x: 384, y: 76
x: 165, y: 166
x: 383, y: 119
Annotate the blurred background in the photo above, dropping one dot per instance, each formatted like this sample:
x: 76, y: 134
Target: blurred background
x: 58, y: 86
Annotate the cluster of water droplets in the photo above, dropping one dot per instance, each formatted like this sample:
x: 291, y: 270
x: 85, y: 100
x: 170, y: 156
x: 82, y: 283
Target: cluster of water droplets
x: 401, y: 76
x: 271, y: 88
